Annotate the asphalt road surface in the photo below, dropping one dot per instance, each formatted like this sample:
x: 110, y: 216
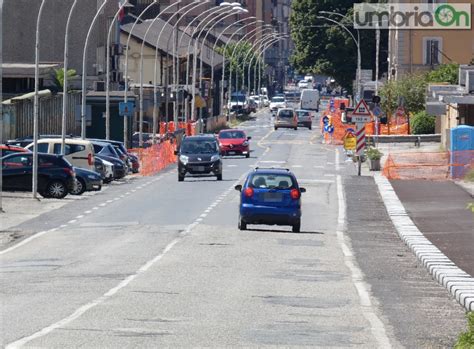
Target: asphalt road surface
x: 153, y: 263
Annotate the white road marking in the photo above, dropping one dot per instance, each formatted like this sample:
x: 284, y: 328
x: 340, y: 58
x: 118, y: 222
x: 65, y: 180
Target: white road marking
x: 79, y: 217
x: 338, y: 166
x: 376, y: 325
x: 24, y: 242
x: 95, y: 208
x: 87, y: 212
x: 296, y: 166
x: 272, y: 162
x: 231, y: 165
x: 103, y: 204
x: 72, y: 221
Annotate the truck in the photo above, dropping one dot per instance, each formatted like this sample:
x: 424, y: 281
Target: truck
x: 309, y: 99
x: 239, y: 103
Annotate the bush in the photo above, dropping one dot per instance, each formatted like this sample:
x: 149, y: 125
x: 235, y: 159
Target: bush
x: 466, y: 339
x: 422, y: 123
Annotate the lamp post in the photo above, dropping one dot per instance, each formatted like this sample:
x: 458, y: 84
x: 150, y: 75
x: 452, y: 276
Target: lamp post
x: 65, y: 82
x: 223, y: 54
x: 261, y: 58
x: 235, y: 8
x: 107, y: 70
x: 84, y: 70
x: 223, y: 63
x: 125, y: 93
x: 35, y: 104
x: 356, y: 41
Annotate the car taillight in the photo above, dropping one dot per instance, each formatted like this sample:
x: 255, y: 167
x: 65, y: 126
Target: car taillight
x: 295, y: 194
x: 90, y: 159
x: 69, y: 171
x: 248, y: 192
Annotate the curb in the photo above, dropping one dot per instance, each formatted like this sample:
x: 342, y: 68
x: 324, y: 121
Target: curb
x: 458, y: 283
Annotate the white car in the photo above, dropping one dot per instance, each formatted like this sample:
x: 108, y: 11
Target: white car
x: 277, y: 103
x: 303, y: 84
x: 266, y: 101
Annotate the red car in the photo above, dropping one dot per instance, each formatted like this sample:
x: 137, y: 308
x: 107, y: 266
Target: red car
x: 234, y: 142
x: 11, y: 149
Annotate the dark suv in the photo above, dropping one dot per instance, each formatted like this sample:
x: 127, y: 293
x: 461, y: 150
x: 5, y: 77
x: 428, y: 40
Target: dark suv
x: 199, y: 155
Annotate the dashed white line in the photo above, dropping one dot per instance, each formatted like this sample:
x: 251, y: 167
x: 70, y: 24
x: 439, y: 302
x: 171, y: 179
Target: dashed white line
x: 103, y: 204
x: 87, y: 212
x: 72, y: 221
x: 79, y: 217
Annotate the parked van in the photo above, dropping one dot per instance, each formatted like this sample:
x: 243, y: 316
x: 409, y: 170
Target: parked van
x: 79, y: 152
x: 309, y: 99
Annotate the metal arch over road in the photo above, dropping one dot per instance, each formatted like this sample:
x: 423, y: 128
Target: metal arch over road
x: 153, y: 263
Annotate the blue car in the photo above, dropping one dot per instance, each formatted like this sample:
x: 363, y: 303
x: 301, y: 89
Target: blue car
x: 270, y: 196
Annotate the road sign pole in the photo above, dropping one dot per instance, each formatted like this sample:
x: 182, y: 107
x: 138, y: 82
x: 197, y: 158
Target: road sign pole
x: 360, y: 145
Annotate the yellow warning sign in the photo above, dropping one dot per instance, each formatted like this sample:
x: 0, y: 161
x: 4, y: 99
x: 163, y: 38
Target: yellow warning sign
x: 200, y: 102
x: 350, y: 142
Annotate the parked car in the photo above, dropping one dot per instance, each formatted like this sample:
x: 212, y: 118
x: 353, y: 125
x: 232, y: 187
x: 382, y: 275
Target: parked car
x: 6, y: 149
x: 304, y: 118
x: 55, y: 174
x: 272, y: 197
x: 79, y: 152
x: 105, y: 168
x: 130, y: 159
x: 199, y: 155
x: 86, y: 181
x: 106, y: 151
x: 277, y: 102
x: 24, y: 141
x: 286, y: 117
x: 234, y: 142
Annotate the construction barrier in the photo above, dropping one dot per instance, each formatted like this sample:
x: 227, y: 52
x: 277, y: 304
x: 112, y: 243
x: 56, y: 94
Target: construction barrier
x: 429, y: 165
x: 189, y: 127
x: 155, y: 158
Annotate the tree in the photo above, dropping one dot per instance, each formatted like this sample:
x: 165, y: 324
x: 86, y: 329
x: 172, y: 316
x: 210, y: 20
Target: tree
x: 322, y: 47
x: 58, y: 77
x: 410, y: 91
x: 444, y: 73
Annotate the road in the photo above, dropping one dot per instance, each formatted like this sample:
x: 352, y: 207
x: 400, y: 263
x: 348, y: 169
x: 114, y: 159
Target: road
x: 154, y: 262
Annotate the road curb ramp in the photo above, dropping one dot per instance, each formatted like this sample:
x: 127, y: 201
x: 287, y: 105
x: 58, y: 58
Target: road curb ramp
x: 458, y: 283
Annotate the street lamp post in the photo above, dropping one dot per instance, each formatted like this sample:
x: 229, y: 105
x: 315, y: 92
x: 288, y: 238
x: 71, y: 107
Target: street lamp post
x: 107, y: 70
x: 65, y: 82
x: 356, y: 41
x: 84, y: 70
x: 36, y: 102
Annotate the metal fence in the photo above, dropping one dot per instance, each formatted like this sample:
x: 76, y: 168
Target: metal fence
x: 18, y: 116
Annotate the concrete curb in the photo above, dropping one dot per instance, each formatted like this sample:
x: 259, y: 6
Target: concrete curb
x: 459, y: 284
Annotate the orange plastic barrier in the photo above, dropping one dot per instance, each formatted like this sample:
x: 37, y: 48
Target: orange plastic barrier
x: 171, y: 127
x: 155, y: 158
x: 162, y: 128
x: 429, y: 165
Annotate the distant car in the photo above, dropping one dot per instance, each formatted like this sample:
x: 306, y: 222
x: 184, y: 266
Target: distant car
x: 86, y: 181
x: 107, y: 152
x: 272, y: 197
x: 199, y: 155
x: 252, y: 105
x: 6, y: 149
x: 304, y: 118
x: 310, y: 100
x: 286, y: 118
x: 234, y: 142
x: 303, y: 84
x: 266, y: 101
x: 55, y: 174
x: 277, y: 102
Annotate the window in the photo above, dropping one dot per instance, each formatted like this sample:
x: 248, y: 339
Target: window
x: 432, y: 48
x: 68, y: 148
x: 18, y: 161
x: 42, y: 148
x: 269, y: 181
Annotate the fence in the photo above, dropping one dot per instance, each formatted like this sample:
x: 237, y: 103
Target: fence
x: 155, y: 158
x: 429, y: 165
x: 18, y: 116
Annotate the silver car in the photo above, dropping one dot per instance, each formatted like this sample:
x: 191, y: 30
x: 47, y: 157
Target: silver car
x: 286, y: 117
x: 304, y: 118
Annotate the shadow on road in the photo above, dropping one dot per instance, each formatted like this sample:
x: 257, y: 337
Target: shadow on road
x: 279, y: 231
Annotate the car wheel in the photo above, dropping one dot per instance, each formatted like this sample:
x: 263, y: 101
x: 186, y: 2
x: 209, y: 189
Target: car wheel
x: 295, y: 128
x: 219, y: 177
x: 79, y: 187
x: 108, y: 180
x: 309, y: 127
x: 276, y: 128
x: 180, y: 178
x: 247, y: 155
x: 56, y: 190
x: 242, y: 224
x: 297, y: 227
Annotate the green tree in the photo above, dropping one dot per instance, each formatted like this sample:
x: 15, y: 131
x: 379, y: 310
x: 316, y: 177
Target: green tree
x: 322, y: 47
x: 58, y: 77
x: 444, y: 73
x: 421, y: 123
x: 410, y: 91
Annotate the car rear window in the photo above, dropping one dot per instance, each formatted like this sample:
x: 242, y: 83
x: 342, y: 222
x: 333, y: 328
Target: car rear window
x: 231, y: 134
x: 270, y: 181
x: 285, y: 113
x: 278, y: 99
x: 303, y: 113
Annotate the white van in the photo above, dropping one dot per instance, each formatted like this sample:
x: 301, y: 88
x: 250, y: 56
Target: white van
x: 80, y: 153
x: 309, y: 99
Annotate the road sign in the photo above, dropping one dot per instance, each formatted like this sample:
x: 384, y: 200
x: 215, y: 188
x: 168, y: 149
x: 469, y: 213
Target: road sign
x: 350, y: 142
x: 377, y: 111
x: 126, y: 109
x: 360, y: 135
x: 325, y: 119
x: 361, y: 113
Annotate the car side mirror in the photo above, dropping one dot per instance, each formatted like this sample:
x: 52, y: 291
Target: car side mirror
x: 249, y: 138
x: 302, y: 190
x: 238, y: 187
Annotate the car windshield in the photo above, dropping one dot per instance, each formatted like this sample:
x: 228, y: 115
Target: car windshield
x: 231, y: 135
x: 285, y: 113
x: 199, y: 147
x: 301, y: 113
x: 278, y: 99
x: 237, y: 98
x: 272, y: 181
